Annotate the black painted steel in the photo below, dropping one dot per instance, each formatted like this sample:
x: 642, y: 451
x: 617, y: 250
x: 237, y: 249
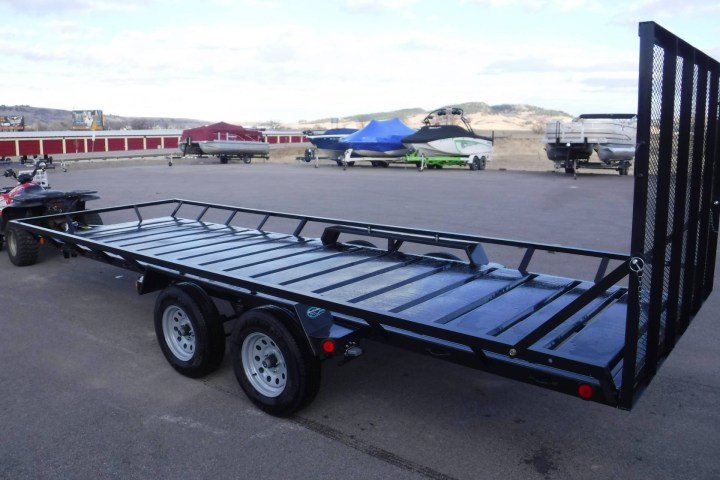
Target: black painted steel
x: 675, y: 213
x: 553, y: 331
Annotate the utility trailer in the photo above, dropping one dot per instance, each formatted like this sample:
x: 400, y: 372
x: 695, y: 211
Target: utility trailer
x: 296, y: 300
x: 347, y: 159
x: 473, y: 162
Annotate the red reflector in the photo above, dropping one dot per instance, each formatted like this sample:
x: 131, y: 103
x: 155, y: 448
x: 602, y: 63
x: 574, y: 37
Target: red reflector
x: 585, y: 391
x: 328, y: 346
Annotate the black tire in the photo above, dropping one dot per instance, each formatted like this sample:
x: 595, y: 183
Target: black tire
x: 247, y: 159
x: 273, y: 363
x: 223, y: 159
x: 569, y: 170
x: 22, y: 247
x: 2, y: 241
x: 478, y: 163
x: 189, y: 330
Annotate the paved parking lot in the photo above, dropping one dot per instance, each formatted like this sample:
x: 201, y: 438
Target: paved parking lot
x: 86, y: 393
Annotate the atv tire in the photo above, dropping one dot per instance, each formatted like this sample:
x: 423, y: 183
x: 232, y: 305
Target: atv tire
x: 22, y: 247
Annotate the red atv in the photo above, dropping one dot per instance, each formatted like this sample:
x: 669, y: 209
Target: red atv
x: 29, y: 198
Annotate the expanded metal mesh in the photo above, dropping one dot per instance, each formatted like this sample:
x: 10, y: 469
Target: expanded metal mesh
x: 675, y: 216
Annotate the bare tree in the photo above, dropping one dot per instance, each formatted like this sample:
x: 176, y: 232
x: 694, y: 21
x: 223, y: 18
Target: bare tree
x: 140, y: 124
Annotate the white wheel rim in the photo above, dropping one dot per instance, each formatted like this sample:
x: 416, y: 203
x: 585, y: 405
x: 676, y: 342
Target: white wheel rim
x: 264, y: 364
x: 12, y: 244
x: 179, y: 333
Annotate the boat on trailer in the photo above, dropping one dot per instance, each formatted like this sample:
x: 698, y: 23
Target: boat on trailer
x: 224, y: 141
x: 612, y: 136
x: 380, y: 138
x: 329, y: 143
x: 448, y: 133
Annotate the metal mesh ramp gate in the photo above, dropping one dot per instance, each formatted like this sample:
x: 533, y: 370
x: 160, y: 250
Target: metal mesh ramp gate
x: 675, y: 219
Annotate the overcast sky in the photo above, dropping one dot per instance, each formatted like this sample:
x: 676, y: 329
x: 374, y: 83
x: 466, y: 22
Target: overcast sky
x: 289, y: 60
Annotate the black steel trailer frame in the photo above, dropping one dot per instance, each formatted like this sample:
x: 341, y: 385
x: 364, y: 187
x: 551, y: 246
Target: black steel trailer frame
x: 601, y: 339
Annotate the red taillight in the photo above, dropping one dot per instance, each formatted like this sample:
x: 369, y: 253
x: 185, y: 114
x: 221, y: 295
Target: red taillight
x: 585, y: 391
x: 328, y: 346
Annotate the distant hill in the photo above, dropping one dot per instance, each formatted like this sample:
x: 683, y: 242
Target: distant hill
x: 481, y: 115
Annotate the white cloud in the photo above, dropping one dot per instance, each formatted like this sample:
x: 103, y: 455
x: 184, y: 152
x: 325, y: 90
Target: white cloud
x: 376, y: 6
x: 254, y: 60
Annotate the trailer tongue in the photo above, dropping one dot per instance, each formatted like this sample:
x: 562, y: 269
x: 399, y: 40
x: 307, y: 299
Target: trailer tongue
x: 298, y: 299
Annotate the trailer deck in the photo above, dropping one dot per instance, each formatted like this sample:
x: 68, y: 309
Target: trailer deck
x: 569, y: 329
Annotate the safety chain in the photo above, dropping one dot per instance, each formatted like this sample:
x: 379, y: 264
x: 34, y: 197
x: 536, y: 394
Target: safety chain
x: 637, y: 266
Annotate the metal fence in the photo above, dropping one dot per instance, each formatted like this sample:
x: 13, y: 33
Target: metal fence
x: 675, y: 219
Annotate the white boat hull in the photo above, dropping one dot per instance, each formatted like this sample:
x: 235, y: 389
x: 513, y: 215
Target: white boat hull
x: 613, y: 139
x: 455, y: 147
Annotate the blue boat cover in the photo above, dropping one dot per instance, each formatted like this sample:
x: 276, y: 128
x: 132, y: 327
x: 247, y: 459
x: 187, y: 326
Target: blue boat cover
x: 387, y: 133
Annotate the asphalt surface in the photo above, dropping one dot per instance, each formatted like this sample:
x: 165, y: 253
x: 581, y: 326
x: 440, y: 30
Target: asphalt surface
x: 86, y: 393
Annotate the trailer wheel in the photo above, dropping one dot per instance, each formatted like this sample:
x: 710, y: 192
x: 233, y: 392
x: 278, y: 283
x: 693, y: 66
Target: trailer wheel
x: 189, y: 330
x: 274, y: 366
x: 477, y: 163
x: 223, y: 159
x: 247, y: 159
x: 22, y: 247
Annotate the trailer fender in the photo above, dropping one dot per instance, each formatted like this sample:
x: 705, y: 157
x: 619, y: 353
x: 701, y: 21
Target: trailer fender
x: 321, y: 331
x: 315, y: 328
